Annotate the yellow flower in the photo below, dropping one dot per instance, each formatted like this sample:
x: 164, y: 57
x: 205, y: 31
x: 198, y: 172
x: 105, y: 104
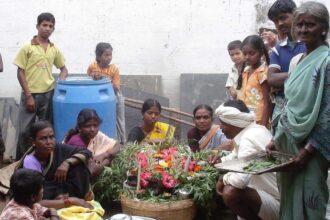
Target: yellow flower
x: 163, y: 164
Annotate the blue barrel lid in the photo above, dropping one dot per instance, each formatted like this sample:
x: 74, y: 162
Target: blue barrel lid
x: 83, y: 80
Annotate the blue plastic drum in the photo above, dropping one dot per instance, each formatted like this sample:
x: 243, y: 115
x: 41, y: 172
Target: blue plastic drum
x: 76, y: 93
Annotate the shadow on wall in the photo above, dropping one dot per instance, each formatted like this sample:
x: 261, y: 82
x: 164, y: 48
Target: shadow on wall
x: 196, y: 89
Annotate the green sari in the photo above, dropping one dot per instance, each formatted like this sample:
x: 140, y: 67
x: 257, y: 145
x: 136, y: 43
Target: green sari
x: 305, y: 119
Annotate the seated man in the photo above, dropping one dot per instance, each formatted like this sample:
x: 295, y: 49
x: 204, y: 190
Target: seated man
x: 249, y: 196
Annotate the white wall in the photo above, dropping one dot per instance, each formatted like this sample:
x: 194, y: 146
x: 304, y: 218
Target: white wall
x: 166, y: 37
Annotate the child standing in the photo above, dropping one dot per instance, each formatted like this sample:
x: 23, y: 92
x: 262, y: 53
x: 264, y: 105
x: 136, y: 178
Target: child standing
x: 236, y: 55
x: 255, y: 90
x: 34, y: 62
x: 27, y: 190
x: 103, y: 68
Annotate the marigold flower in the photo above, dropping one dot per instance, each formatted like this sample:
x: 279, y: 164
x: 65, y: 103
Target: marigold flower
x: 198, y: 168
x: 158, y: 168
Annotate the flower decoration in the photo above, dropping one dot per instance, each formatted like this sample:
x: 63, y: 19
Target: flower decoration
x: 163, y: 171
x: 158, y: 173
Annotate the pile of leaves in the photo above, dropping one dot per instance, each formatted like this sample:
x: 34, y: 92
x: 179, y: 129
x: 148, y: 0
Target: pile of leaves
x: 164, y: 171
x: 262, y: 164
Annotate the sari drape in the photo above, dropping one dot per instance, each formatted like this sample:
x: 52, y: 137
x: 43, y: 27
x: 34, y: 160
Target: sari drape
x: 161, y: 131
x: 305, y: 119
x: 78, y: 177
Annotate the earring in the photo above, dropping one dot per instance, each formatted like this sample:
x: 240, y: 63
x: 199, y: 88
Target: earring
x: 323, y: 33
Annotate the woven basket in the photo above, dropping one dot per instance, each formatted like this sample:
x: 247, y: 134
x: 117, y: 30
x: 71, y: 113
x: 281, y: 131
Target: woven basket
x: 181, y: 210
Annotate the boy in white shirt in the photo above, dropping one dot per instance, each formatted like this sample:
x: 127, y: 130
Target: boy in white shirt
x: 236, y: 55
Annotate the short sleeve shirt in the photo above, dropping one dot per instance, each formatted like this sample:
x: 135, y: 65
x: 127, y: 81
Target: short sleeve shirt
x: 251, y: 92
x: 232, y: 78
x: 32, y: 163
x: 14, y: 211
x: 282, y: 54
x: 37, y: 64
x: 112, y: 72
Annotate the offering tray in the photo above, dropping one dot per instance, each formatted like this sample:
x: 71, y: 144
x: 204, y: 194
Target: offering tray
x: 242, y: 165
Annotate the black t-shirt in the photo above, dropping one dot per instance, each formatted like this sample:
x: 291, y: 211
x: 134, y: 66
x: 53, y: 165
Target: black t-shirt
x: 136, y: 135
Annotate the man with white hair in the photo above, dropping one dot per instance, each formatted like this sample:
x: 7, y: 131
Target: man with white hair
x: 249, y: 196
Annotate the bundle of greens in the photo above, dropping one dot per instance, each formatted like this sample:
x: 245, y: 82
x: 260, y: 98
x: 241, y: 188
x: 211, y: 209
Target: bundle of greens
x: 262, y: 164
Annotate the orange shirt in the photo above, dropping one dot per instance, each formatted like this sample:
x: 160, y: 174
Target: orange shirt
x: 251, y: 92
x: 112, y: 72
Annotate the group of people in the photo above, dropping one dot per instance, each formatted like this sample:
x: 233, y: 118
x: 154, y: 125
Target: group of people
x: 288, y: 90
x: 279, y: 100
x: 34, y: 63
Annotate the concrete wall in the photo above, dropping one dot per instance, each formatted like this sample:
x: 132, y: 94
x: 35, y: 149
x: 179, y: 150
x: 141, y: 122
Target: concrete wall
x: 163, y: 37
x: 149, y: 37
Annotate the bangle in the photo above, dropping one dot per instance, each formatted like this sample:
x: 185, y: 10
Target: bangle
x: 67, y: 202
x: 55, y: 216
x: 68, y: 161
x: 309, y: 149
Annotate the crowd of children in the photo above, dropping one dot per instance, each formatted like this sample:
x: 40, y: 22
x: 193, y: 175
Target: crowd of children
x: 258, y: 93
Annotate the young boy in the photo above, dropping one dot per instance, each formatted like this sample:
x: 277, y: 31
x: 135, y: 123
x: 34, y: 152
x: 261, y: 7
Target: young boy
x: 281, y: 13
x: 236, y: 55
x: 34, y: 72
x: 26, y: 188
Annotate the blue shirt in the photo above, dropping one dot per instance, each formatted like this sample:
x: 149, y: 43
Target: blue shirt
x: 282, y: 54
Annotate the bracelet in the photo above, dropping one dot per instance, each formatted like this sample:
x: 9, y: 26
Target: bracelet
x: 55, y: 216
x: 309, y: 149
x: 67, y: 202
x: 68, y: 161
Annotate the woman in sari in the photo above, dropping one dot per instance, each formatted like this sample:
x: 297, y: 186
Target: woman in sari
x: 151, y: 131
x: 66, y: 177
x: 205, y: 134
x: 303, y: 128
x: 86, y: 134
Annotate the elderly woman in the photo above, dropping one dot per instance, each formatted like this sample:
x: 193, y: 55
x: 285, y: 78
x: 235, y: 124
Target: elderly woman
x: 303, y: 128
x: 151, y: 131
x: 205, y: 134
x: 63, y: 167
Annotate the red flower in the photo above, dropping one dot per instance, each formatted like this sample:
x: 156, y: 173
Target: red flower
x: 144, y: 177
x: 143, y: 160
x: 168, y: 153
x: 168, y: 181
x: 192, y: 165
